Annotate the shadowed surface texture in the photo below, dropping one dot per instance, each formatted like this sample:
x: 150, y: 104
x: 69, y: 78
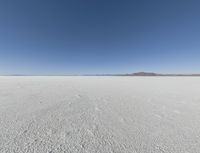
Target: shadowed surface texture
x: 100, y: 114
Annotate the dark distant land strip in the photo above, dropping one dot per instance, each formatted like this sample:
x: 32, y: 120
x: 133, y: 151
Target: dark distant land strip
x: 142, y: 74
x: 128, y: 74
x: 158, y: 74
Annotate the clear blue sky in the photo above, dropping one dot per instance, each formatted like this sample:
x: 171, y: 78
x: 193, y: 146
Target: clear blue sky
x: 99, y: 36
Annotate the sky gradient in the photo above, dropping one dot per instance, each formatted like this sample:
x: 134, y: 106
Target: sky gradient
x: 58, y: 37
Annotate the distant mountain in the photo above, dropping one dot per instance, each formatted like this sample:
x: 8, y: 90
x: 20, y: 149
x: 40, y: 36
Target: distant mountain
x: 145, y: 74
x: 128, y: 74
x: 158, y: 74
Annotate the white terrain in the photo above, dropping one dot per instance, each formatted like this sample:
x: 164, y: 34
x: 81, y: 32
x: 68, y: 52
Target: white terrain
x: 99, y: 114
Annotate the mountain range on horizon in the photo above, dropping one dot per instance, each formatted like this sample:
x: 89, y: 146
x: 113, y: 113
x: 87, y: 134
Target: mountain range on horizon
x: 122, y: 74
x: 159, y: 74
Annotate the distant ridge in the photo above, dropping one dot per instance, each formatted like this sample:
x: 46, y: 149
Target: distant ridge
x: 145, y: 74
x: 127, y: 74
x: 158, y: 74
x: 142, y: 74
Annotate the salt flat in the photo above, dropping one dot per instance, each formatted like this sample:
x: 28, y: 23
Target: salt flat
x: 99, y: 114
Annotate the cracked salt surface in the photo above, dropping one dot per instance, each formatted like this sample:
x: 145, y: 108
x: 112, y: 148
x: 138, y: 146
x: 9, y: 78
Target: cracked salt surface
x: 99, y: 114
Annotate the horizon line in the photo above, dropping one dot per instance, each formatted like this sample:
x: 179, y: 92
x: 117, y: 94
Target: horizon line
x: 111, y: 74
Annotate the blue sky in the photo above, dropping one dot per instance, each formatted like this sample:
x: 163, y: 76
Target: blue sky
x: 99, y: 36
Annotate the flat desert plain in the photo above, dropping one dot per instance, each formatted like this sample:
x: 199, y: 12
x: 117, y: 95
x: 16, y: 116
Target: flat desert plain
x: 52, y: 114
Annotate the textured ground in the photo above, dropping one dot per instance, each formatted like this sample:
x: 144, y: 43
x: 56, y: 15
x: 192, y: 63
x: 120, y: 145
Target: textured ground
x: 99, y: 114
